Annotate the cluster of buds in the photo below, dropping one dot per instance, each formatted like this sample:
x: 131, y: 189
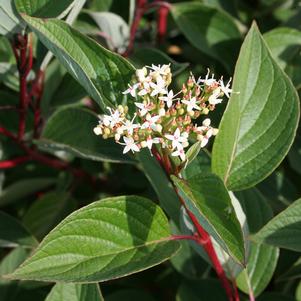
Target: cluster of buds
x: 163, y: 118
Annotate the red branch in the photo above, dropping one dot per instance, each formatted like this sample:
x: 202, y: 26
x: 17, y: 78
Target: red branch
x: 13, y: 162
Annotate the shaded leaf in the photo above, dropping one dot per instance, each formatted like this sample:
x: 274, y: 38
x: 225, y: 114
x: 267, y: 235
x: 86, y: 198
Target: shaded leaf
x: 13, y: 233
x: 71, y: 129
x: 45, y: 213
x: 75, y: 292
x: 212, y: 31
x: 284, y: 229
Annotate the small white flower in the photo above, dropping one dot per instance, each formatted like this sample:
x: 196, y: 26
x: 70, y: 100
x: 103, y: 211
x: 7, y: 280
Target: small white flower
x: 141, y: 75
x: 114, y: 118
x: 180, y: 153
x: 191, y: 104
x: 144, y: 108
x: 204, y: 141
x: 214, y: 97
x: 168, y: 99
x: 129, y: 126
x: 132, y: 90
x: 162, y: 70
x: 225, y: 89
x: 130, y: 145
x: 150, y: 122
x: 208, y: 81
x: 150, y: 141
x: 177, y: 138
x: 159, y: 87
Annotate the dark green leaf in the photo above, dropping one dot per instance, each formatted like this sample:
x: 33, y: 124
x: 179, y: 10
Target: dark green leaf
x: 23, y: 188
x: 45, y: 213
x: 104, y: 240
x: 75, y: 292
x: 147, y: 56
x: 284, y: 229
x: 259, y: 124
x: 13, y: 233
x: 212, y: 31
x: 71, y: 129
x: 43, y: 8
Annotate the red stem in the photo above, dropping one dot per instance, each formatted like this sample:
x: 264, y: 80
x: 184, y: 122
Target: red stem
x: 203, y: 239
x: 13, y: 162
x: 140, y: 10
x: 162, y: 22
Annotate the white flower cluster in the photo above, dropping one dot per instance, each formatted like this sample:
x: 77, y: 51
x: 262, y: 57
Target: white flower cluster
x: 163, y: 117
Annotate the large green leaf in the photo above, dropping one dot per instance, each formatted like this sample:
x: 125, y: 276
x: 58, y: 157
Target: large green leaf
x: 45, y: 213
x: 103, y: 74
x: 43, y: 8
x: 284, y: 229
x: 104, y: 240
x: 262, y: 259
x: 212, y: 31
x: 13, y: 233
x: 71, y: 129
x: 260, y: 122
x: 207, y: 198
x: 75, y: 292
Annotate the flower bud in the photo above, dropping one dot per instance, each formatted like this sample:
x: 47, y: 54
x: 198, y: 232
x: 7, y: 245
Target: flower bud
x: 162, y: 112
x: 181, y: 111
x: 120, y: 109
x: 117, y: 137
x: 107, y: 131
x: 214, y: 132
x: 205, y: 111
x: 159, y: 128
x: 143, y: 144
x: 97, y: 130
x: 206, y: 122
x: 191, y: 113
x: 185, y: 144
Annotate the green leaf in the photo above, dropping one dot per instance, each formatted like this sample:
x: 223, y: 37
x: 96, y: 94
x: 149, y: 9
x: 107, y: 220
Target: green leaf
x: 201, y: 290
x: 161, y: 184
x: 9, y: 289
x: 44, y: 8
x: 263, y: 259
x: 23, y: 188
x: 284, y: 229
x: 71, y: 129
x: 45, y: 213
x: 207, y: 198
x: 75, y: 292
x: 212, y: 31
x: 260, y: 122
x: 105, y: 240
x: 103, y: 74
x: 13, y: 233
x: 147, y: 56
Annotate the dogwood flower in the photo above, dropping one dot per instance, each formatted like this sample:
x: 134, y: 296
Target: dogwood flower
x: 208, y: 81
x: 130, y: 145
x: 162, y: 70
x: 177, y: 138
x: 179, y: 153
x: 132, y: 90
x: 225, y: 89
x: 150, y: 122
x: 159, y: 87
x: 144, y: 108
x: 191, y: 104
x: 214, y: 97
x: 129, y: 126
x: 150, y: 141
x: 168, y: 99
